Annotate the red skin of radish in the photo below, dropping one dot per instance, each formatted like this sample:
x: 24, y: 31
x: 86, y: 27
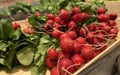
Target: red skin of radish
x: 16, y: 26
x: 75, y: 10
x: 64, y: 35
x: 77, y: 18
x: 51, y: 16
x: 102, y: 10
x: 47, y: 27
x: 62, y: 54
x: 112, y: 16
x: 84, y: 16
x: 88, y: 51
x: 106, y: 28
x: 52, y: 54
x: 92, y: 27
x: 38, y: 14
x: 103, y: 18
x: 50, y: 22
x: 73, y: 34
x: 72, y: 25
x: 78, y: 44
x: 57, y: 26
x: 111, y: 23
x: 100, y: 36
x: 56, y: 34
x: 78, y: 59
x: 27, y: 31
x: 54, y: 71
x: 82, y: 32
x: 114, y: 31
x: 50, y: 63
x: 65, y: 63
x: 102, y: 24
x: 67, y: 45
x: 64, y: 14
x: 58, y: 19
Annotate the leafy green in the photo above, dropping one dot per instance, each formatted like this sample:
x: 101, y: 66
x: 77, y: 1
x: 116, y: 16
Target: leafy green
x: 25, y: 55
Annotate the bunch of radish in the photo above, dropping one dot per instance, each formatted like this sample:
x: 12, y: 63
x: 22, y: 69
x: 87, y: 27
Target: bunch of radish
x: 79, y: 43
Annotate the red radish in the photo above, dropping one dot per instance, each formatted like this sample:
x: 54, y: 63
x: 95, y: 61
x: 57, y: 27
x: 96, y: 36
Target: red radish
x: 90, y: 35
x: 57, y: 26
x: 77, y: 18
x: 106, y: 28
x: 88, y: 51
x: 78, y: 59
x: 56, y: 33
x: 16, y: 25
x: 81, y: 40
x: 50, y: 22
x: 102, y: 10
x: 38, y: 14
x: 75, y: 10
x: 47, y: 27
x: 72, y: 25
x: 92, y: 27
x: 64, y: 14
x: 54, y: 71
x: 103, y: 18
x: 67, y: 45
x: 103, y: 47
x: 27, y: 31
x: 64, y: 35
x: 100, y: 36
x: 50, y: 63
x: 83, y: 32
x: 32, y: 31
x: 114, y: 30
x: 62, y: 54
x: 111, y: 23
x: 52, y: 54
x: 84, y: 16
x: 112, y: 16
x: 58, y: 19
x: 73, y: 34
x: 97, y: 52
x: 51, y: 16
x: 65, y: 63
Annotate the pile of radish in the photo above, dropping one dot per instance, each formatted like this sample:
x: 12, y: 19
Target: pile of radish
x: 79, y: 43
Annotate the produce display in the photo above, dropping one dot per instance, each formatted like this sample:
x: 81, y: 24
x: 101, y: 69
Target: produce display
x: 63, y: 36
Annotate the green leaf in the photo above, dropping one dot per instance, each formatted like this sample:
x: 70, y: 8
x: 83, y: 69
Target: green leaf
x: 25, y: 55
x: 3, y: 45
x: 5, y: 28
x: 16, y: 34
x: 1, y: 61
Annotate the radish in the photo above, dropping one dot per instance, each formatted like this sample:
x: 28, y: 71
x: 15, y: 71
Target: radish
x: 92, y: 27
x: 82, y: 32
x: 38, y: 14
x: 72, y: 34
x: 77, y: 18
x: 81, y: 40
x: 112, y: 16
x: 101, y: 10
x: 102, y: 24
x: 57, y: 26
x: 114, y: 31
x: 64, y: 14
x: 56, y: 33
x: 106, y: 28
x: 50, y: 22
x: 64, y: 65
x: 51, y: 16
x: 58, y: 19
x: 27, y: 31
x: 52, y: 54
x: 65, y: 35
x: 84, y: 16
x: 67, y: 45
x: 62, y: 54
x: 75, y: 10
x: 72, y: 25
x: 78, y: 59
x: 54, y: 71
x: 111, y: 23
x: 50, y: 63
x: 16, y: 26
x: 88, y: 51
x: 103, y: 18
